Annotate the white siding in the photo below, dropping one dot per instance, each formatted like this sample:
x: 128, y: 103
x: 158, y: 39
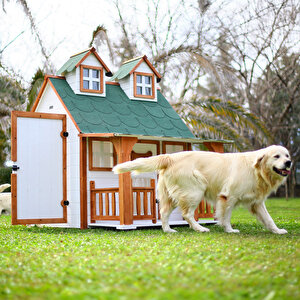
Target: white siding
x: 127, y: 83
x: 73, y: 78
x: 49, y: 103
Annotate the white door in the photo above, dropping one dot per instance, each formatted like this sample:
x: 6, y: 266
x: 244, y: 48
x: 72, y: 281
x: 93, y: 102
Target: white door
x: 38, y: 150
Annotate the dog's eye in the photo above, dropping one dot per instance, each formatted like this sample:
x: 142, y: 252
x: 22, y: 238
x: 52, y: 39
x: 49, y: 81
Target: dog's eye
x: 276, y: 156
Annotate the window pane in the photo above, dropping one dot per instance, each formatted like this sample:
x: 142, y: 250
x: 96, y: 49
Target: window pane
x: 139, y: 90
x: 174, y: 148
x: 85, y: 72
x: 96, y: 85
x: 139, y: 78
x: 86, y: 84
x: 102, y: 154
x: 148, y: 91
x: 95, y: 73
x: 147, y: 80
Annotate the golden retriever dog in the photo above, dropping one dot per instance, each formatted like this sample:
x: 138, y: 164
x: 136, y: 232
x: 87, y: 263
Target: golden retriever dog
x: 223, y: 179
x: 5, y: 199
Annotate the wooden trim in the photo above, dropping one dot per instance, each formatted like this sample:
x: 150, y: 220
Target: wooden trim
x: 38, y: 98
x: 165, y: 143
x: 13, y: 136
x: 14, y: 207
x: 25, y: 114
x: 215, y: 147
x: 135, y: 155
x: 112, y: 83
x: 157, y: 143
x: 83, y: 183
x: 100, y: 135
x: 123, y: 146
x: 34, y: 107
x: 63, y: 104
x: 90, y: 154
x: 145, y: 59
x: 38, y: 115
x: 40, y: 221
x: 64, y: 150
x: 135, y: 86
x: 92, y: 50
x: 92, y: 202
x: 100, y: 69
x: 153, y: 202
x: 100, y: 60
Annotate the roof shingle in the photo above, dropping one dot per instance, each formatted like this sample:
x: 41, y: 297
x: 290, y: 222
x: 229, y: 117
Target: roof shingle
x: 116, y: 113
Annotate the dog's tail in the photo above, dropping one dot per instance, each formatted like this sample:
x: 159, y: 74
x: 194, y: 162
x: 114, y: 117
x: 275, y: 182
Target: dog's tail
x: 4, y: 187
x: 143, y: 165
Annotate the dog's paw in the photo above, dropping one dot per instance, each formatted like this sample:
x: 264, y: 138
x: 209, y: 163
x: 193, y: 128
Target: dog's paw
x: 232, y: 231
x: 170, y: 230
x: 202, y: 229
x: 280, y: 231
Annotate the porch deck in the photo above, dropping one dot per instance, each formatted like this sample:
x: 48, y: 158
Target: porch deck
x: 146, y: 224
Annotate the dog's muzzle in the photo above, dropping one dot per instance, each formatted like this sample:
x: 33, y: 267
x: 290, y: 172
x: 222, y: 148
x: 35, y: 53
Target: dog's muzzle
x: 284, y: 172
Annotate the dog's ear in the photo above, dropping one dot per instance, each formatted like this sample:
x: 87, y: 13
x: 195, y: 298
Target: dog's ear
x: 259, y: 161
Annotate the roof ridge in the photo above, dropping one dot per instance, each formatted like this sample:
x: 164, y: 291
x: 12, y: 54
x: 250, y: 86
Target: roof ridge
x: 130, y: 60
x: 86, y: 50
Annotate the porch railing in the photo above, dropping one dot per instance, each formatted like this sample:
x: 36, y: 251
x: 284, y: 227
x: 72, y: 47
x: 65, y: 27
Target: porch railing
x: 144, y: 202
x: 104, y: 203
x: 204, y: 210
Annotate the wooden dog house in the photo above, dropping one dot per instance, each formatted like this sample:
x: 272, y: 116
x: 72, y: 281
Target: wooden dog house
x: 83, y: 123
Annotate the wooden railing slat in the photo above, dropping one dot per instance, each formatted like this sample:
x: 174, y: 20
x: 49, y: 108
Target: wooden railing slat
x: 107, y: 204
x: 113, y: 204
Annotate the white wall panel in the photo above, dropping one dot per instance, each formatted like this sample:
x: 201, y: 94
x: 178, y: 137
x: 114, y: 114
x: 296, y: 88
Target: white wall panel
x: 49, y: 99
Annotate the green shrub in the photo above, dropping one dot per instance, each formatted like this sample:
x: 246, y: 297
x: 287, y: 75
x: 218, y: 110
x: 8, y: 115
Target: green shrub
x: 5, y: 176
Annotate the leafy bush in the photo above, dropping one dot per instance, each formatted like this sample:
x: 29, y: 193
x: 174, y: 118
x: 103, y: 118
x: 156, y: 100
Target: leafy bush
x: 5, y: 176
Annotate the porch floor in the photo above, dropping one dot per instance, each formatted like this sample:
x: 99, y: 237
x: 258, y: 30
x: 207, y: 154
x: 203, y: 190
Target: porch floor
x: 146, y: 224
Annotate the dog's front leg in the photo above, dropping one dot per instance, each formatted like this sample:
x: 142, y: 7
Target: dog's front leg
x: 224, y: 209
x: 262, y: 215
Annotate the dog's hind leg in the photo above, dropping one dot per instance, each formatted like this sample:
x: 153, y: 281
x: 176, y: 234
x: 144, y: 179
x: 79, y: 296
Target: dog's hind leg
x: 166, y: 205
x: 224, y: 209
x: 188, y: 208
x: 166, y: 208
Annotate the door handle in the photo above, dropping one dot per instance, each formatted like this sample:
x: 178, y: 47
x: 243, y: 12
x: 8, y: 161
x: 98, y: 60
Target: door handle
x: 15, y: 168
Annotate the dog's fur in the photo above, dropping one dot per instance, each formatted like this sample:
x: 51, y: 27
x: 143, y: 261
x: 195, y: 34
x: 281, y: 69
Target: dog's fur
x: 5, y: 199
x: 226, y: 180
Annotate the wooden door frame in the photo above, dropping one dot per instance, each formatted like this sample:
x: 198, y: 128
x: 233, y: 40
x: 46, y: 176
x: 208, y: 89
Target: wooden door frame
x: 14, y: 214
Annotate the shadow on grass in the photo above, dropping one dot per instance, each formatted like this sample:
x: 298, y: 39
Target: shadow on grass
x: 246, y: 229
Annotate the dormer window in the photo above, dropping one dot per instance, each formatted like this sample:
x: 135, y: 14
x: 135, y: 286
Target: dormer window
x: 91, y: 79
x: 144, y: 85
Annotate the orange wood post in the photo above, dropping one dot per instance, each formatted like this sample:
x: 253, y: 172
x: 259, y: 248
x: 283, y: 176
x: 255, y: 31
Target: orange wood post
x: 123, y: 147
x: 92, y: 202
x: 83, y: 183
x: 214, y: 147
x: 153, y: 201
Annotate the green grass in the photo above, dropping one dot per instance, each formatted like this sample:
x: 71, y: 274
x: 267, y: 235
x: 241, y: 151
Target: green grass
x: 53, y: 263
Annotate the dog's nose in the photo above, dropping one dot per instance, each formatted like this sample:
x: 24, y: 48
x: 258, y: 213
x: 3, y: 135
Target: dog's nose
x: 288, y: 163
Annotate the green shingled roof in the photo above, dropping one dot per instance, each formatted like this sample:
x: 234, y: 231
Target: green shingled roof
x: 72, y: 62
x: 116, y: 113
x: 126, y: 68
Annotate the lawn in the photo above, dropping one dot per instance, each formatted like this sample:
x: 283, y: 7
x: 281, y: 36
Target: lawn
x: 53, y: 263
